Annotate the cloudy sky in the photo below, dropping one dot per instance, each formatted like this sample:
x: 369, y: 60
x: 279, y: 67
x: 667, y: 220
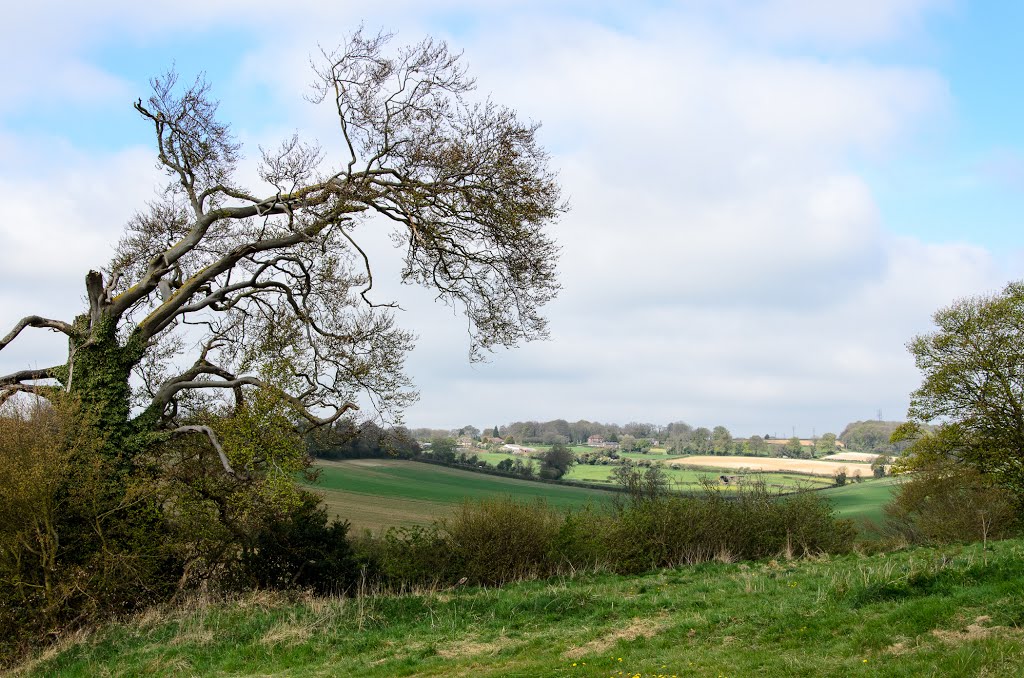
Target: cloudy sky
x: 769, y: 199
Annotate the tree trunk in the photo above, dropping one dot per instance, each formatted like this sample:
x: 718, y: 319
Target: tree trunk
x: 98, y: 373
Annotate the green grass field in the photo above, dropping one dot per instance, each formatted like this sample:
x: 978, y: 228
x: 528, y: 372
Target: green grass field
x: 862, y: 501
x: 380, y: 493
x: 375, y: 494
x: 493, y: 458
x: 956, y: 611
x: 683, y: 479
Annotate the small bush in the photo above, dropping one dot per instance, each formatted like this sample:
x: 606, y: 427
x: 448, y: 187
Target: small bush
x: 300, y: 549
x: 500, y: 540
x: 944, y: 503
x: 409, y: 557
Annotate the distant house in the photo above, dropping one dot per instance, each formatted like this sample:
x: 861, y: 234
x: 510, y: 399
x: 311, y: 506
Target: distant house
x: 518, y: 449
x: 596, y: 441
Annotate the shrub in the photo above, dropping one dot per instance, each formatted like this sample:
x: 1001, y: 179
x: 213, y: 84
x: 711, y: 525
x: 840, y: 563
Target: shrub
x: 499, y: 540
x: 581, y: 543
x: 71, y: 548
x: 408, y: 557
x: 299, y: 549
x: 944, y: 502
x: 669, y: 530
x: 492, y: 542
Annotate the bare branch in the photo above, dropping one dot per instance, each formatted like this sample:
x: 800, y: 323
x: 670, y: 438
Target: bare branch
x: 28, y: 375
x: 36, y: 321
x: 43, y: 391
x: 188, y: 380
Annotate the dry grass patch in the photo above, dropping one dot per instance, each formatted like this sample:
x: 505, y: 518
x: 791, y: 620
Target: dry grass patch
x: 637, y: 628
x: 61, y: 645
x: 287, y: 633
x: 975, y: 631
x: 899, y: 648
x: 194, y: 636
x: 470, y: 647
x: 168, y: 666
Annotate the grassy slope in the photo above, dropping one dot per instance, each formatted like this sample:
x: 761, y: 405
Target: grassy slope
x: 862, y: 501
x: 955, y: 612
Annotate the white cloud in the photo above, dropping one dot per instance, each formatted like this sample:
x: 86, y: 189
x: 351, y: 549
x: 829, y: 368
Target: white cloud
x: 725, y: 260
x: 835, y: 24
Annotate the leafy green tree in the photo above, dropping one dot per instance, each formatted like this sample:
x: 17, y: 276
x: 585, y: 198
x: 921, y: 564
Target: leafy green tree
x: 974, y: 381
x: 825, y: 445
x: 721, y: 440
x: 757, y: 446
x: 869, y: 436
x: 443, y: 449
x: 700, y: 441
x: 556, y: 462
x: 648, y: 485
x: 793, y: 449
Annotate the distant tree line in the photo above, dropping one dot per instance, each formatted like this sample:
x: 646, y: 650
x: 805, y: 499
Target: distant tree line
x: 677, y: 437
x: 347, y: 439
x: 871, y: 436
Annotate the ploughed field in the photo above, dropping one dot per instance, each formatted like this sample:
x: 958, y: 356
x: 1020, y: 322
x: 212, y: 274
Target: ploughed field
x: 375, y: 494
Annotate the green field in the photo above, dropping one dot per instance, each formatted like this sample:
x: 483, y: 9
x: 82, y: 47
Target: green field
x: 380, y: 493
x: 862, y: 501
x: 374, y: 494
x: 683, y: 479
x: 493, y: 458
x: 955, y: 611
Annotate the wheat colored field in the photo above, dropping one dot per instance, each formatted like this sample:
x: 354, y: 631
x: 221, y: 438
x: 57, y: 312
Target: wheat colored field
x: 809, y: 466
x: 865, y: 457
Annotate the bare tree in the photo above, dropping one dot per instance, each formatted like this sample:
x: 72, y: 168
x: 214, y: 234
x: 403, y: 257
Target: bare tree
x: 219, y: 289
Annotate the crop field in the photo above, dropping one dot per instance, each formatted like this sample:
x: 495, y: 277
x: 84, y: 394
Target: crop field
x: 862, y: 457
x: 808, y: 466
x: 375, y: 494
